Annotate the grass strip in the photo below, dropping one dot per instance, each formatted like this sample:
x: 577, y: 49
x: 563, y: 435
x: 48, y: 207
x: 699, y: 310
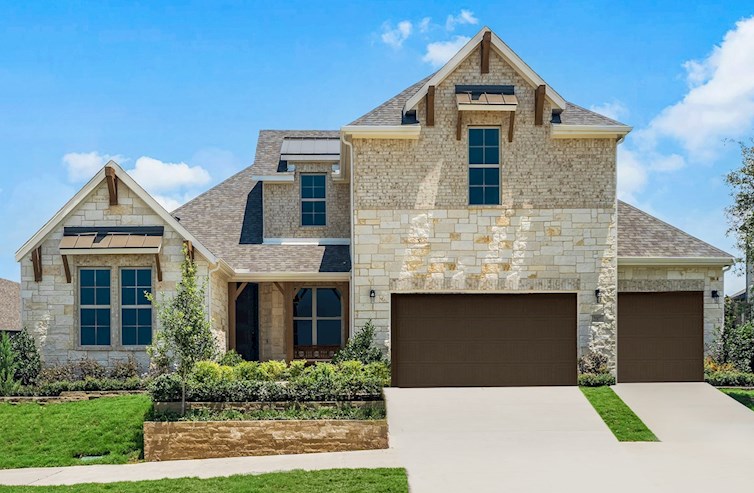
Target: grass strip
x: 340, y: 480
x: 625, y: 425
x: 107, y: 430
x: 745, y: 397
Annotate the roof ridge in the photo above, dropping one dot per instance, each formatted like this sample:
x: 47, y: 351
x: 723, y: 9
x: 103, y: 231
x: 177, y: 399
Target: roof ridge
x: 726, y: 254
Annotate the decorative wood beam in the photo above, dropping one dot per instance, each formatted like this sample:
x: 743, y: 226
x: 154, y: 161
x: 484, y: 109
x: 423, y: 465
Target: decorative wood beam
x: 431, y: 106
x: 112, y: 185
x: 510, y: 125
x: 189, y: 249
x: 459, y: 125
x: 486, y: 43
x: 67, y: 269
x: 240, y: 289
x: 539, y: 105
x: 279, y: 287
x: 158, y: 266
x: 36, y: 261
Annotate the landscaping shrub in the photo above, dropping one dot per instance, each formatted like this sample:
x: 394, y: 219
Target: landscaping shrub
x: 166, y: 388
x: 230, y: 358
x: 272, y: 370
x: 596, y: 379
x: 733, y: 343
x: 8, y: 366
x: 593, y: 362
x: 730, y: 379
x: 293, y: 412
x: 361, y: 347
x: 712, y: 366
x: 125, y: 369
x: 28, y: 363
x: 56, y: 373
x: 247, y: 370
x: 54, y: 388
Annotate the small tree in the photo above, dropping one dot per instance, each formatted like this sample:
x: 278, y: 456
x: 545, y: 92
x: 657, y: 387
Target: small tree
x: 741, y: 213
x: 361, y: 347
x: 28, y: 363
x: 8, y: 383
x: 185, y: 335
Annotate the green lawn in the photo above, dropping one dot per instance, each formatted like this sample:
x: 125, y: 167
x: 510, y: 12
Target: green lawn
x: 745, y: 397
x: 333, y: 480
x: 36, y: 435
x: 625, y: 425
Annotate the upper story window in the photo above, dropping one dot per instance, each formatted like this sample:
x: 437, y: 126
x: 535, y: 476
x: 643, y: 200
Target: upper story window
x: 135, y: 309
x: 313, y: 200
x: 484, y: 166
x: 94, y: 305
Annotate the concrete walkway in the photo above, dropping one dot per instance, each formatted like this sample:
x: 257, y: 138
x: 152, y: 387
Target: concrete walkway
x: 688, y: 412
x: 205, y: 468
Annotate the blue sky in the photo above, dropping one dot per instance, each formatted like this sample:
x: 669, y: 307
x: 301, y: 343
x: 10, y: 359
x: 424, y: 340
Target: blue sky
x: 177, y: 92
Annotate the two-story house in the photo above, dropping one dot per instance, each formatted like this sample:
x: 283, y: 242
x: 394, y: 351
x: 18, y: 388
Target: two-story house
x: 472, y: 218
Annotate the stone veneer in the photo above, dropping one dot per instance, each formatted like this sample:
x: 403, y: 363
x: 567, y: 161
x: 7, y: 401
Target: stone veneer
x: 555, y: 230
x: 49, y: 307
x: 282, y: 207
x: 679, y: 278
x: 215, y: 439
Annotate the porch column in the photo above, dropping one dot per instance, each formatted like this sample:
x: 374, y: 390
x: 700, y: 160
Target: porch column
x: 231, y: 315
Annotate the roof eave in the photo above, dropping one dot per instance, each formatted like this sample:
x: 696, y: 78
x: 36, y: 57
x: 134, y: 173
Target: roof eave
x: 382, y: 131
x: 561, y: 131
x: 249, y: 276
x: 716, y: 261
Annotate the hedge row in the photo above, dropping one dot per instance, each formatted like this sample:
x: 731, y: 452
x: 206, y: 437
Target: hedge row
x: 729, y: 379
x: 51, y: 389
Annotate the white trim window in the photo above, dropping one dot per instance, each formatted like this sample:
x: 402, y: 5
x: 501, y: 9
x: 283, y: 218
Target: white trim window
x: 484, y: 166
x: 318, y: 317
x: 314, y: 199
x: 94, y: 307
x: 135, y: 308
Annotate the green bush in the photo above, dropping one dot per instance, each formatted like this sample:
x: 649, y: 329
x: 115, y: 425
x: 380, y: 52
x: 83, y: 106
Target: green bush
x: 272, y: 370
x: 361, y: 347
x: 166, y: 388
x: 295, y: 368
x: 231, y: 358
x: 730, y: 379
x: 593, y: 362
x: 8, y: 366
x: 247, y: 370
x: 50, y: 389
x: 125, y: 369
x: 28, y: 363
x: 596, y: 379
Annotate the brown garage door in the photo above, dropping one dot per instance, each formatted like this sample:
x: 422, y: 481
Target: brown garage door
x: 483, y: 340
x: 661, y: 337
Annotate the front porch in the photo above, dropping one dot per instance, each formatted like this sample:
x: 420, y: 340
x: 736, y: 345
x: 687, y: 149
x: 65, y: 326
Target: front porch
x: 287, y: 320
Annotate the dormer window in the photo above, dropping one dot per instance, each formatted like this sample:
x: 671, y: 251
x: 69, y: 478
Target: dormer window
x: 313, y: 199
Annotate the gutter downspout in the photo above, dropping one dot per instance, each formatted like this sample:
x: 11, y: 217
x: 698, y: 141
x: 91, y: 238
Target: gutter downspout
x: 351, y: 287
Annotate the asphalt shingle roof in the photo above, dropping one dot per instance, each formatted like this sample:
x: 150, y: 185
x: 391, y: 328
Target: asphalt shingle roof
x: 574, y: 114
x: 643, y: 235
x: 10, y: 305
x: 269, y: 143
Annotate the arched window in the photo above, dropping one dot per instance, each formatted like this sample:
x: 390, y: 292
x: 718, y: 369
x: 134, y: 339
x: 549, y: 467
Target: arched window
x: 317, y: 317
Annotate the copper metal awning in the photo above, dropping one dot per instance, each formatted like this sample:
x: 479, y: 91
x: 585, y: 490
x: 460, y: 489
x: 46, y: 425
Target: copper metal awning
x: 116, y: 240
x: 486, y: 98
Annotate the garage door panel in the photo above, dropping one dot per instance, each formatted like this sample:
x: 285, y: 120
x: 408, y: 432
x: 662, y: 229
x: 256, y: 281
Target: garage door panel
x: 660, y: 337
x: 484, y: 340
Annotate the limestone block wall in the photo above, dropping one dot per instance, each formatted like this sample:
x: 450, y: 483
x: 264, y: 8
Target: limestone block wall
x: 679, y: 278
x: 554, y: 231
x: 271, y: 323
x: 282, y: 207
x: 50, y: 307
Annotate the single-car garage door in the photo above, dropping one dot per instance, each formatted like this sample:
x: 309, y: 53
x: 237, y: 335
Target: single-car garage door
x: 483, y: 340
x: 661, y: 337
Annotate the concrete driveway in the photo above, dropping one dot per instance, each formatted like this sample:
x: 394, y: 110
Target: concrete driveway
x: 546, y: 439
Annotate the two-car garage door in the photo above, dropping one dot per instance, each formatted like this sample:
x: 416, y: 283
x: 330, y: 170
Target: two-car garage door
x: 466, y: 340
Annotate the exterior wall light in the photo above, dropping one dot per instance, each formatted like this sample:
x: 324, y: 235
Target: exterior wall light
x: 598, y: 295
x: 715, y: 294
x: 372, y: 294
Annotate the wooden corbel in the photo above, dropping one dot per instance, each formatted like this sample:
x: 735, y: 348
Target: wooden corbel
x: 539, y: 105
x: 158, y: 267
x: 112, y: 184
x: 239, y: 290
x: 67, y: 269
x: 189, y: 249
x: 486, y: 42
x: 430, y: 106
x: 459, y: 125
x: 36, y: 261
x: 510, y: 125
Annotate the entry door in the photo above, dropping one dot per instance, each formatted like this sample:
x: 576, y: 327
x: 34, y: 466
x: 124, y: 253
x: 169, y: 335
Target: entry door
x: 247, y: 323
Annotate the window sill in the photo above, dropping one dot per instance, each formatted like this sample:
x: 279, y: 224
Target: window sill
x: 111, y: 348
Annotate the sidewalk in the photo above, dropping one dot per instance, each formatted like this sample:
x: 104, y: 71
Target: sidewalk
x: 203, y: 468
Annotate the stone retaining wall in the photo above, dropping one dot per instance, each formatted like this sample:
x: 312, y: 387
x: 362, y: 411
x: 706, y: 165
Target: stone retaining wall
x: 216, y: 439
x: 162, y: 407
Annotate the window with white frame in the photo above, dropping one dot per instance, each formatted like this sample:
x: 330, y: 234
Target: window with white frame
x: 135, y: 308
x: 313, y: 199
x: 484, y: 166
x: 317, y: 317
x: 94, y: 307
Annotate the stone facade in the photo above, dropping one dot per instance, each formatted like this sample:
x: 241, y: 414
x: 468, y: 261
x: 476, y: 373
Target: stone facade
x: 555, y: 230
x: 282, y: 209
x: 271, y: 323
x: 679, y: 278
x: 50, y: 307
x: 215, y: 439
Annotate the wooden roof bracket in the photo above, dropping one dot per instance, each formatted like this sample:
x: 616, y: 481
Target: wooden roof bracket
x: 239, y: 290
x: 459, y: 124
x: 431, y: 106
x: 189, y: 249
x: 112, y: 184
x: 486, y: 43
x: 36, y: 261
x: 158, y: 267
x: 67, y: 269
x: 510, y: 125
x: 539, y: 105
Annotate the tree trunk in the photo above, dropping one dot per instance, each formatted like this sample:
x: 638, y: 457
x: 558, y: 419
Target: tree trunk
x: 183, y: 396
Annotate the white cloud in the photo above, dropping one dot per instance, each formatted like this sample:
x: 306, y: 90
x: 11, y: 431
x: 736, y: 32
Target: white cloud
x: 157, y: 176
x: 82, y: 166
x: 439, y: 52
x: 720, y: 102
x: 464, y: 17
x: 424, y: 24
x: 632, y: 175
x: 615, y: 110
x: 395, y: 37
x: 169, y: 203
